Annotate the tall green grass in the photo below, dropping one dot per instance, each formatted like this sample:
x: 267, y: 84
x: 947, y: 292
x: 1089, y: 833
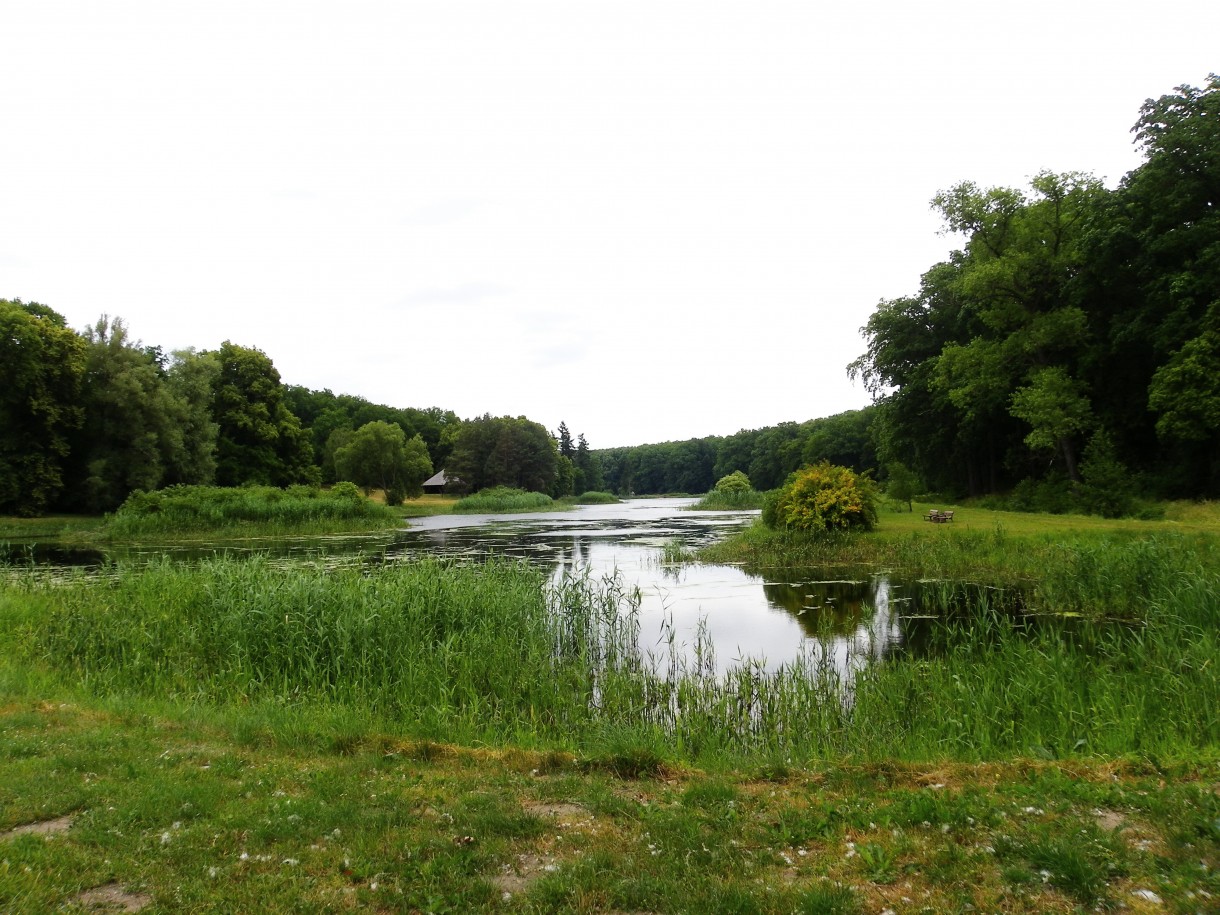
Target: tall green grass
x: 189, y: 510
x: 1097, y: 573
x: 472, y: 653
x: 596, y: 497
x: 499, y: 499
x: 733, y: 500
x: 463, y: 652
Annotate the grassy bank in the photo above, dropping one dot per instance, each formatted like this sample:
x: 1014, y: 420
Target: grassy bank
x: 426, y: 505
x: 186, y: 809
x: 225, y: 511
x: 229, y: 735
x: 1068, y: 564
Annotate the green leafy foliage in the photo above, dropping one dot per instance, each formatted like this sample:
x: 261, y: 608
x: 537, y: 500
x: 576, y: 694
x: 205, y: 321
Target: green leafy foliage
x: 1185, y: 391
x: 42, y: 364
x: 260, y: 440
x: 733, y: 482
x: 1068, y: 308
x: 902, y: 485
x: 824, y: 497
x: 140, y: 429
x: 380, y: 456
x: 504, y: 451
x: 1107, y: 487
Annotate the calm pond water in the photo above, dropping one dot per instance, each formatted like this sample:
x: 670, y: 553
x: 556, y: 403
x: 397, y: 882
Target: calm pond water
x: 743, y: 616
x: 852, y: 620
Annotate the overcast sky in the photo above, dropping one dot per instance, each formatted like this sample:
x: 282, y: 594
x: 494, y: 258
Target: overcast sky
x: 652, y: 220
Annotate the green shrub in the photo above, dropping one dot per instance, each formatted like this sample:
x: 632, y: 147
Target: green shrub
x: 736, y: 481
x: 1107, y: 487
x: 346, y: 491
x: 824, y: 497
x: 732, y: 492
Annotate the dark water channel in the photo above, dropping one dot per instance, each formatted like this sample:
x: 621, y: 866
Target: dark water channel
x: 850, y: 619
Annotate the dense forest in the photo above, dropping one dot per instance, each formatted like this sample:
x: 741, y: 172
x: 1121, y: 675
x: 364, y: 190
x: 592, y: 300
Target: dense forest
x: 88, y: 418
x: 1067, y: 355
x: 765, y: 455
x: 1071, y: 346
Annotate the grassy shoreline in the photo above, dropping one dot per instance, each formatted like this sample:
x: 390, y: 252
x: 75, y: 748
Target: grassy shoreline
x: 227, y: 735
x: 994, y: 547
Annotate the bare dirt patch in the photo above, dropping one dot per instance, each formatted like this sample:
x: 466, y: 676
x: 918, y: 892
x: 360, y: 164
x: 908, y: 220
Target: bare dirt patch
x: 43, y: 828
x: 1109, y: 820
x: 518, y: 876
x: 112, y: 898
x: 556, y: 811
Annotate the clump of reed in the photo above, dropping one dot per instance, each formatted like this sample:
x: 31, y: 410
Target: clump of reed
x: 255, y: 509
x: 498, y: 499
x: 495, y: 653
x: 594, y: 497
x: 730, y: 500
x: 464, y: 651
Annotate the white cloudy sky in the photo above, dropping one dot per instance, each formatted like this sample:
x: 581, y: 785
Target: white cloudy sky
x: 653, y: 220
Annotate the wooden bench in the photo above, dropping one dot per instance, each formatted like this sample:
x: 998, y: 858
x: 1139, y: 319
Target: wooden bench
x: 936, y: 516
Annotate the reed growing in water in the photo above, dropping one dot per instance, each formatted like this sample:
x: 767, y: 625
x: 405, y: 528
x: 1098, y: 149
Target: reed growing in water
x: 499, y: 499
x: 261, y: 510
x: 730, y: 500
x: 496, y: 653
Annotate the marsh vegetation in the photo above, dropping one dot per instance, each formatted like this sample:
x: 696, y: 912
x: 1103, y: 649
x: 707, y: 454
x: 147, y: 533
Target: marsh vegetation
x: 269, y: 682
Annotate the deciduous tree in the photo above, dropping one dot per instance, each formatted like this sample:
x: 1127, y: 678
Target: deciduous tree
x: 42, y: 363
x: 380, y: 456
x: 259, y: 440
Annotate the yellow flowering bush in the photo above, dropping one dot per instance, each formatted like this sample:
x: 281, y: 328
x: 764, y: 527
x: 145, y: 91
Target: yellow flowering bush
x: 824, y: 497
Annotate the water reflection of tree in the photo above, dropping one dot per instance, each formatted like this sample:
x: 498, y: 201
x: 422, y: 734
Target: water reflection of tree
x: 824, y: 607
x: 856, y: 622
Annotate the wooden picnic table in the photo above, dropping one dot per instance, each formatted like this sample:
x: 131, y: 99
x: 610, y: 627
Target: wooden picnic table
x: 936, y: 516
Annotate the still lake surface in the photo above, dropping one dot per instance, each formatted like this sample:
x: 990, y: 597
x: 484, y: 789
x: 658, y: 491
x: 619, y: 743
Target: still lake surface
x: 847, y: 619
x: 767, y: 620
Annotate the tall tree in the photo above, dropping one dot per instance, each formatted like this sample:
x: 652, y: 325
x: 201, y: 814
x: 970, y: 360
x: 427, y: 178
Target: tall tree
x: 259, y: 440
x: 565, y: 441
x: 191, y: 378
x: 42, y: 363
x: 132, y: 434
x: 1173, y: 211
x: 380, y: 456
x: 503, y: 451
x: 588, y: 468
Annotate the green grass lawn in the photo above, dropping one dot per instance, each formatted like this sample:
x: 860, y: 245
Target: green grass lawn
x: 191, y: 811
